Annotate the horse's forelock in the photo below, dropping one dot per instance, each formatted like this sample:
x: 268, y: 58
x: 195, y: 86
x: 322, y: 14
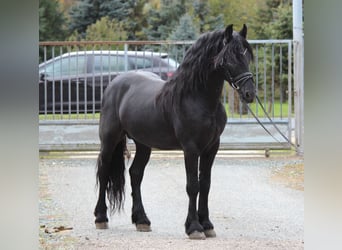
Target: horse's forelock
x: 232, y: 51
x: 249, y: 48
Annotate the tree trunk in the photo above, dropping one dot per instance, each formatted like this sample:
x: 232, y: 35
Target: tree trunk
x: 234, y: 102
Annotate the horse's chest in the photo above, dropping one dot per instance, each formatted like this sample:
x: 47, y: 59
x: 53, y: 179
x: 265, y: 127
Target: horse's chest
x: 201, y: 129
x: 214, y: 127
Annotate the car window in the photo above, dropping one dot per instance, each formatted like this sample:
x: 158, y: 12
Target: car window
x: 109, y: 63
x: 142, y: 62
x: 66, y: 66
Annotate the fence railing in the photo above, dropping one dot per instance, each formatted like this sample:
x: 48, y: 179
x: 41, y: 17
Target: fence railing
x: 73, y: 76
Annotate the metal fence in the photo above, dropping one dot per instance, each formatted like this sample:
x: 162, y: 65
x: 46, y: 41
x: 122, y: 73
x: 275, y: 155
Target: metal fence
x: 73, y: 76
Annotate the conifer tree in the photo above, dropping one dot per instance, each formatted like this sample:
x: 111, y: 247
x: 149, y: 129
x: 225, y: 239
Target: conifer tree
x: 51, y: 21
x: 275, y: 22
x: 52, y: 24
x: 84, y: 13
x: 265, y: 16
x: 127, y: 12
x: 185, y: 31
x: 206, y: 22
x: 161, y: 22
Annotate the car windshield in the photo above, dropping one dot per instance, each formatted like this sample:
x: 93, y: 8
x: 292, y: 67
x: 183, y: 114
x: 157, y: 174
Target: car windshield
x: 170, y: 62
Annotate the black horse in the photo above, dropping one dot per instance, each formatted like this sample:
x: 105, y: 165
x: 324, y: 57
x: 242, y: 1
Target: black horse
x: 184, y: 113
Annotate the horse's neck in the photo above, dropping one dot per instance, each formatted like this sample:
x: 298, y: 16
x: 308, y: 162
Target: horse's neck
x: 212, y: 92
x: 209, y: 90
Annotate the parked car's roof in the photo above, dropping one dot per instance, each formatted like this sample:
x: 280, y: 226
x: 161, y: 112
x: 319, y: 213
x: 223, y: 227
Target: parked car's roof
x: 151, y: 54
x: 111, y: 52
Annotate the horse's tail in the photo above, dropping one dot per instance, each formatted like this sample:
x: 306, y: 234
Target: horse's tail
x: 115, y: 174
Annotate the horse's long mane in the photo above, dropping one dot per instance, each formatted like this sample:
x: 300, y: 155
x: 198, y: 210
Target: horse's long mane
x: 200, y: 61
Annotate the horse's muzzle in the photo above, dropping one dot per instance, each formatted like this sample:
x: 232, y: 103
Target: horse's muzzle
x: 248, y: 95
x: 244, y: 84
x: 247, y: 91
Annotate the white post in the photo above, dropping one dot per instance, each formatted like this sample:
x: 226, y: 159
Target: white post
x: 126, y: 56
x: 298, y: 42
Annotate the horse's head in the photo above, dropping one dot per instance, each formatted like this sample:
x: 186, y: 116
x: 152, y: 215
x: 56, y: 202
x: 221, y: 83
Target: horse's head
x: 233, y: 61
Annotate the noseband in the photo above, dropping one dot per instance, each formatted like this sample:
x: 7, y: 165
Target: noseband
x: 238, y: 81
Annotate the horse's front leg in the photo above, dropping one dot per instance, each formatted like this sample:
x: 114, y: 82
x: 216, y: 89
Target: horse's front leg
x: 136, y: 171
x: 206, y: 162
x: 192, y: 226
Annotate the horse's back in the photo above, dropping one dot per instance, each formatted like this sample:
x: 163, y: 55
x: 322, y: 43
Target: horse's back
x: 130, y: 105
x: 136, y: 79
x: 130, y: 83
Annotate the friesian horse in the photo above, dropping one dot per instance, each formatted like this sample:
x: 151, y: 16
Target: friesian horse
x: 185, y: 112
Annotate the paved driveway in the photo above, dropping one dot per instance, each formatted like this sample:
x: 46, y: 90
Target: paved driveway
x: 249, y: 209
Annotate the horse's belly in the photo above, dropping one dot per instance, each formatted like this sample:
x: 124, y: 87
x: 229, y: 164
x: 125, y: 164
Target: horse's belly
x: 146, y: 125
x: 154, y: 139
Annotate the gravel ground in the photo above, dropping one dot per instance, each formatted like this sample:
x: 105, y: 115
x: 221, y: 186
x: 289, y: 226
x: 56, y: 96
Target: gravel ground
x: 249, y: 208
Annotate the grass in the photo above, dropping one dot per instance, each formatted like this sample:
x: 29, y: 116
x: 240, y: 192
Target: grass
x: 48, y: 117
x: 280, y: 111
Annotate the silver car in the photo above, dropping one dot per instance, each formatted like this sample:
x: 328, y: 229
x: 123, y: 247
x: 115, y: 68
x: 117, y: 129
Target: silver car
x: 74, y: 82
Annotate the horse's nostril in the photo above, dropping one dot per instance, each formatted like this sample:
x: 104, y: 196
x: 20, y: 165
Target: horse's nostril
x: 249, y: 96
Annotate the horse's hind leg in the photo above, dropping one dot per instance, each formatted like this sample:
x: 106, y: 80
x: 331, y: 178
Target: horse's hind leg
x: 103, y: 163
x: 206, y: 162
x: 110, y: 167
x: 136, y: 172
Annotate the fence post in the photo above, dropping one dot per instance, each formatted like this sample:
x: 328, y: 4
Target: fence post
x: 126, y: 56
x: 298, y: 63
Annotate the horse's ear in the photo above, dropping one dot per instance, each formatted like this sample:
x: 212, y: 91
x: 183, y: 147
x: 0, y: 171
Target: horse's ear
x: 243, y: 31
x: 228, y: 33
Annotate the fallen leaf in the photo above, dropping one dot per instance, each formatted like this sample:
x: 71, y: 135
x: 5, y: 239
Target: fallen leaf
x: 62, y: 228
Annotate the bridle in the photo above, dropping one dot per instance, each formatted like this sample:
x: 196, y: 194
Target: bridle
x: 238, y: 81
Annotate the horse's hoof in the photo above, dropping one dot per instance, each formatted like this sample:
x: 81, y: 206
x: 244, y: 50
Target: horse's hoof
x: 101, y: 225
x: 143, y: 228
x: 195, y: 235
x: 210, y: 233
